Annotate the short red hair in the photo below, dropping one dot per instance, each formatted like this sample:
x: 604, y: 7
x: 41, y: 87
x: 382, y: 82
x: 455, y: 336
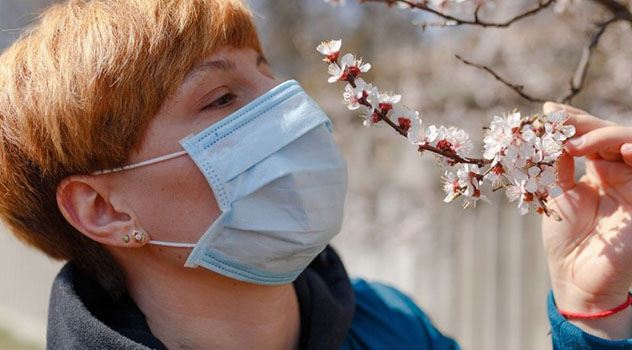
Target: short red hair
x: 77, y: 92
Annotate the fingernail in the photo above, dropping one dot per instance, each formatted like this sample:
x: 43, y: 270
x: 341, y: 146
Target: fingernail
x: 550, y: 107
x: 576, y: 142
x: 627, y: 148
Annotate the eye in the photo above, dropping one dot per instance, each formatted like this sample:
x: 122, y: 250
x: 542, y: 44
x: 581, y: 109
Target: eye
x: 223, y: 101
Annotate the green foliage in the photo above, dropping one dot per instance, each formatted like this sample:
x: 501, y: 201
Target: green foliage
x: 8, y: 342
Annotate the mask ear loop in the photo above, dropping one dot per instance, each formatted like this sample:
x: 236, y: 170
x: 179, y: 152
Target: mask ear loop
x: 172, y: 244
x: 144, y: 163
x: 140, y: 164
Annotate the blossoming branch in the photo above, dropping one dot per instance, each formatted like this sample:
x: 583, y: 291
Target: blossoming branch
x: 519, y: 151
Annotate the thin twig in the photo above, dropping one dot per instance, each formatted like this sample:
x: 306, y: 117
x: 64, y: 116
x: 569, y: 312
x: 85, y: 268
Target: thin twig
x: 619, y: 11
x: 579, y: 78
x: 454, y: 21
x: 451, y: 155
x: 519, y: 89
x: 458, y: 159
x: 616, y: 8
x: 576, y: 82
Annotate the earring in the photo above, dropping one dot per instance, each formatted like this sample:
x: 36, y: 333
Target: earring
x: 139, y: 236
x: 126, y: 239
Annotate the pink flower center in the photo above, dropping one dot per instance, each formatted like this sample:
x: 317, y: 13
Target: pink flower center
x: 445, y: 145
x: 498, y: 170
x: 350, y: 74
x: 385, y: 106
x: 375, y: 117
x: 404, y: 123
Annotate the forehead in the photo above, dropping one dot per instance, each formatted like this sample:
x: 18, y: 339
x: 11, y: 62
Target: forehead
x: 224, y: 60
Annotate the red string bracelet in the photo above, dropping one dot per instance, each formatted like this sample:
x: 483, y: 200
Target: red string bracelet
x: 600, y: 314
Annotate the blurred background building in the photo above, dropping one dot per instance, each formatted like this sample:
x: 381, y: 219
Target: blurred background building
x: 480, y: 274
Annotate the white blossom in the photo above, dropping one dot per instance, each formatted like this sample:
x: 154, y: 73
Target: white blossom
x: 470, y: 178
x: 517, y: 191
x: 329, y: 47
x: 417, y: 132
x: 554, y: 125
x: 551, y: 148
x: 453, y: 139
x: 353, y: 95
x: 497, y: 176
x: 335, y: 71
x: 363, y: 67
x: 338, y: 72
x: 387, y: 100
x: 331, y: 50
x: 349, y: 65
x: 459, y: 139
x: 533, y: 187
x: 433, y: 134
x: 367, y: 114
x: 548, y: 176
x: 451, y: 186
x: 500, y: 135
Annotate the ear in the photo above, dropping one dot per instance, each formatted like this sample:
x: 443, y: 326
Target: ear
x: 85, y: 202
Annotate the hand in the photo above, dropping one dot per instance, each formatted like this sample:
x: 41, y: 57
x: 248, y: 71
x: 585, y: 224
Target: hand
x: 589, y: 252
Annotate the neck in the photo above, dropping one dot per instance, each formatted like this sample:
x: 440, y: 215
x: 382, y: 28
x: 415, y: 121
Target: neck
x: 199, y: 309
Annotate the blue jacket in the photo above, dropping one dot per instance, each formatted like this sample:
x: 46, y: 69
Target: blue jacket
x: 336, y: 313
x: 385, y: 318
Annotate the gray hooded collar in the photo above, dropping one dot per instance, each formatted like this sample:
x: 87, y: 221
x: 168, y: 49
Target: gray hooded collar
x: 83, y: 316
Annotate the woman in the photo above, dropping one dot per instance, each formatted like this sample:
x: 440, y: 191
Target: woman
x: 148, y: 143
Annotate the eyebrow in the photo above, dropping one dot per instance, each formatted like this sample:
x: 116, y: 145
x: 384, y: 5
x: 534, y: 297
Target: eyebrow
x: 218, y: 65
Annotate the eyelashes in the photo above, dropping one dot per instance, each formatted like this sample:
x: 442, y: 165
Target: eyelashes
x: 223, y: 101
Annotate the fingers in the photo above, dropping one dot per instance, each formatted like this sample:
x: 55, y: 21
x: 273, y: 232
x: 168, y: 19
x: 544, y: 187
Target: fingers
x: 614, y: 177
x: 554, y: 106
x: 611, y: 157
x: 581, y: 120
x: 626, y: 153
x: 565, y: 166
x: 606, y: 141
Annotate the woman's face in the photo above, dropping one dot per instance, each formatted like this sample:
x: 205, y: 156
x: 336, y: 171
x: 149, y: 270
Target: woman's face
x: 171, y: 200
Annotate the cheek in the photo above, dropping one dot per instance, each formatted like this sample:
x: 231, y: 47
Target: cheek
x: 176, y: 203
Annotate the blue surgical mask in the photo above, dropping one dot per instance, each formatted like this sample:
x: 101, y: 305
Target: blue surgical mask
x: 280, y: 182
